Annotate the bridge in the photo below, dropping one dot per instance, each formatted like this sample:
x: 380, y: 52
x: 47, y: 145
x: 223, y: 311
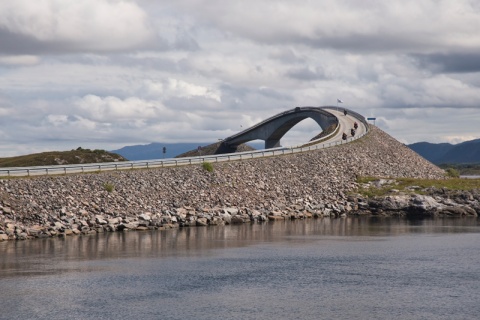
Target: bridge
x: 270, y: 130
x: 274, y: 128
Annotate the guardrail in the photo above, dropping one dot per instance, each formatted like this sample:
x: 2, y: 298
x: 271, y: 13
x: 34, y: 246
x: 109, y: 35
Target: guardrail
x: 175, y: 162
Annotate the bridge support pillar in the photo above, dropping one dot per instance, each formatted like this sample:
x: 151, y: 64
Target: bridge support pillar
x: 272, y: 144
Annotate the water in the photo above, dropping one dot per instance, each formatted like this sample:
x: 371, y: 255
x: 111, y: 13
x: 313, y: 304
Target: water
x: 318, y: 269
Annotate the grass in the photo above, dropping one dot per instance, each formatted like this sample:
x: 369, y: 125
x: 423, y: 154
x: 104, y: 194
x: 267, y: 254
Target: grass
x: 207, y: 166
x: 406, y: 184
x: 109, y: 187
x: 463, y: 169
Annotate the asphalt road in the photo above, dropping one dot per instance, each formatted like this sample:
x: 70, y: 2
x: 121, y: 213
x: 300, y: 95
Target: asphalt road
x: 346, y: 123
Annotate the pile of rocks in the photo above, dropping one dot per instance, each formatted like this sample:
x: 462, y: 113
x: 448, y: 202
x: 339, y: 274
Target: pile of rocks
x: 418, y: 202
x: 310, y: 184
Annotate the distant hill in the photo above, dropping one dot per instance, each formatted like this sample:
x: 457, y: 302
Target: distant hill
x: 155, y: 150
x: 443, y: 153
x: 76, y: 156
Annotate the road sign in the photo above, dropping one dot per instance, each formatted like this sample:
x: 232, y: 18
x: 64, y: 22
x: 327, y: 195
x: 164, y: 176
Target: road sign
x: 372, y: 119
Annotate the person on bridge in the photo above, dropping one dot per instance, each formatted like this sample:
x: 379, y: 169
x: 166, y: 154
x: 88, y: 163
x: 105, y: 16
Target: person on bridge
x: 352, y: 132
x: 344, y: 136
x: 344, y: 112
x: 355, y: 125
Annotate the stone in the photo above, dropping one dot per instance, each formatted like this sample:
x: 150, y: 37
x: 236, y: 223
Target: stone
x: 236, y: 219
x: 145, y: 217
x: 275, y: 218
x: 22, y: 236
x: 100, y: 220
x: 202, y: 222
x: 231, y: 211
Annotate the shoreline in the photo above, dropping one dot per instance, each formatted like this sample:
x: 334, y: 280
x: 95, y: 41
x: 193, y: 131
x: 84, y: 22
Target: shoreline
x: 412, y: 206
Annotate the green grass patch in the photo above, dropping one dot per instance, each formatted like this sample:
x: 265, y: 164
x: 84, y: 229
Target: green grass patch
x: 109, y: 187
x: 408, y: 185
x: 207, y: 166
x: 452, y: 173
x: 463, y: 169
x: 77, y: 156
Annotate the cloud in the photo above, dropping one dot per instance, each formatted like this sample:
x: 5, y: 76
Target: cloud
x: 107, y: 73
x: 307, y: 74
x: 465, y: 62
x: 112, y: 109
x: 181, y: 89
x: 19, y: 60
x: 70, y: 26
x: 372, y: 26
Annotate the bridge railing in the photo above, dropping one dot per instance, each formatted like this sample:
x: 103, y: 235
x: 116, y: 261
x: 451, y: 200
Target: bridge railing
x: 272, y: 118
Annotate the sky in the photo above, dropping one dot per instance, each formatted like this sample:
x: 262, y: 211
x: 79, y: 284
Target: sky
x: 103, y: 74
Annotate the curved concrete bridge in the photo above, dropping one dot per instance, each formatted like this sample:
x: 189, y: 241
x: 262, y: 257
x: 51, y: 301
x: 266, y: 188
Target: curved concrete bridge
x: 270, y: 130
x: 274, y: 128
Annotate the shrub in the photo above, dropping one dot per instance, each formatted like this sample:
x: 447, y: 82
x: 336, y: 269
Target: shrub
x: 452, y: 173
x: 109, y: 187
x: 207, y: 166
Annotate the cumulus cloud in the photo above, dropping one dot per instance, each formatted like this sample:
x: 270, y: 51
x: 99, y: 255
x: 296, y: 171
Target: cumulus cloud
x: 111, y: 109
x: 19, y: 60
x: 181, y: 89
x: 376, y: 25
x: 107, y: 73
x: 66, y: 26
x: 465, y: 62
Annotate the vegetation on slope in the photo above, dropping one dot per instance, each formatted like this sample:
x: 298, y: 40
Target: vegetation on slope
x: 77, y: 156
x: 464, y: 169
x: 410, y: 185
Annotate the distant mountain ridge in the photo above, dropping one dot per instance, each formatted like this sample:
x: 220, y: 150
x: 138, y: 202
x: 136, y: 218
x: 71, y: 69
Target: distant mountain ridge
x: 154, y: 150
x: 444, y: 153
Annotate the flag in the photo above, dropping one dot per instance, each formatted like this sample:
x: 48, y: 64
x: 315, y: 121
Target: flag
x: 339, y: 101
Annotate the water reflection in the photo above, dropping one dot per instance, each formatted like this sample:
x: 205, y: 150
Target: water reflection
x: 49, y: 255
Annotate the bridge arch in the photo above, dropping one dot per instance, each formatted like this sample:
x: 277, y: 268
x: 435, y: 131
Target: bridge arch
x: 273, y: 129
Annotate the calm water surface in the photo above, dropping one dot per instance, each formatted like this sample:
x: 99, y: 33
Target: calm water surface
x: 316, y: 269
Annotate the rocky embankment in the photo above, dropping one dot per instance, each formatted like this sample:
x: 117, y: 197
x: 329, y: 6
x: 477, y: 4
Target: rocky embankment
x: 312, y: 184
x: 417, y: 202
